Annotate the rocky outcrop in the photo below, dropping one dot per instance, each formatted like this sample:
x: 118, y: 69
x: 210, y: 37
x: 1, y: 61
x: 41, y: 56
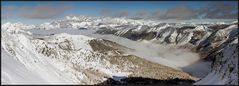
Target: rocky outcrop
x: 105, y: 30
x: 142, y: 67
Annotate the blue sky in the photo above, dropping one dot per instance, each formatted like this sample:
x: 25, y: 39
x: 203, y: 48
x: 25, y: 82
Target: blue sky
x: 26, y: 11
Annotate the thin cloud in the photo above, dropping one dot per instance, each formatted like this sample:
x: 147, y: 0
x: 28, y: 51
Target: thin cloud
x: 180, y: 12
x: 213, y: 10
x: 106, y: 12
x: 222, y: 10
x: 10, y: 7
x: 158, y: 14
x: 140, y: 14
x: 44, y: 12
x: 3, y: 17
x: 121, y: 14
x: 8, y: 11
x: 114, y: 13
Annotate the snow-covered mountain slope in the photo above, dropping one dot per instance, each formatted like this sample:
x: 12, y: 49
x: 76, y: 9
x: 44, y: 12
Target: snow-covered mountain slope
x: 74, y: 56
x: 207, y: 40
x: 224, y: 67
x: 75, y: 59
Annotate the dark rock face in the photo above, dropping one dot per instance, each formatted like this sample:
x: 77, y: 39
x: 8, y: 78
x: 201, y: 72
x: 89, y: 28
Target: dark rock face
x: 162, y: 31
x: 210, y: 46
x: 136, y: 36
x: 139, y: 35
x: 197, y: 35
x: 205, y: 45
x: 186, y: 27
x: 149, y: 35
x: 128, y: 34
x: 101, y: 24
x: 106, y: 31
x: 160, y: 25
x: 82, y: 28
x: 146, y: 81
x: 218, y: 27
x: 212, y: 53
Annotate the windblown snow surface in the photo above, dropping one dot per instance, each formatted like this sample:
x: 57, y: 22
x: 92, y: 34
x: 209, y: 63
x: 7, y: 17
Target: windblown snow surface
x: 24, y: 50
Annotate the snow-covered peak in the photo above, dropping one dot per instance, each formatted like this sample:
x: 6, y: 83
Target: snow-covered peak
x: 76, y: 41
x: 200, y: 28
x: 71, y: 18
x: 18, y: 25
x: 11, y: 27
x: 48, y: 26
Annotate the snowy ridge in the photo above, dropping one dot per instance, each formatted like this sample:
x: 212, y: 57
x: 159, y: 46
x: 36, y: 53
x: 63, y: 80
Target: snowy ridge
x: 24, y: 50
x: 78, y: 59
x: 18, y: 46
